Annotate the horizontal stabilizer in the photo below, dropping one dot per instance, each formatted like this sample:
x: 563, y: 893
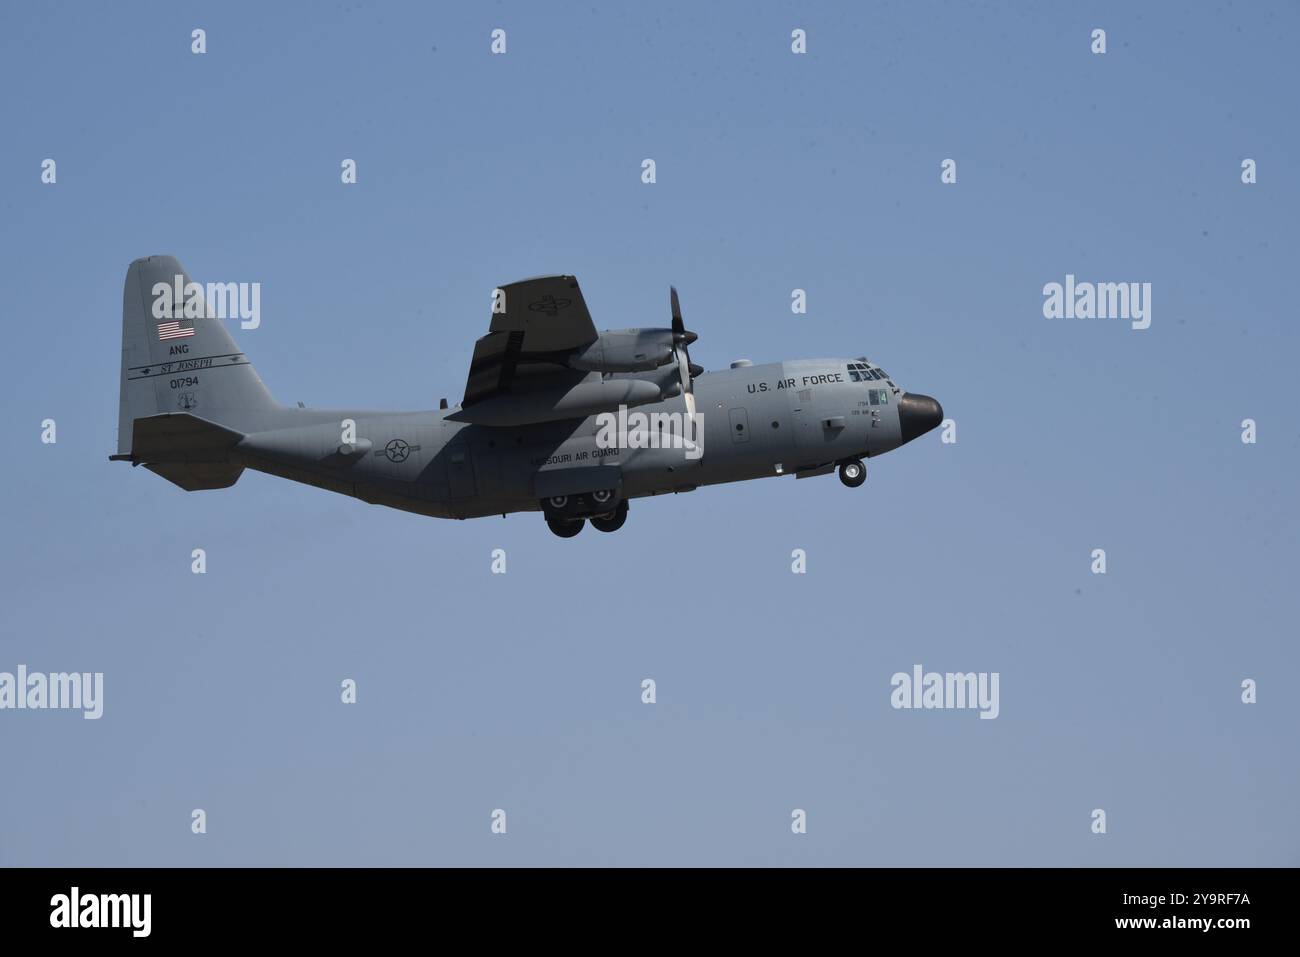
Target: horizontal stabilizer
x: 185, y: 450
x: 194, y: 478
x: 181, y: 437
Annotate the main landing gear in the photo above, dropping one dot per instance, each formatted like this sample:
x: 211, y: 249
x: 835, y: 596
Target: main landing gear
x: 612, y: 521
x: 565, y: 515
x: 564, y: 528
x: 852, y: 472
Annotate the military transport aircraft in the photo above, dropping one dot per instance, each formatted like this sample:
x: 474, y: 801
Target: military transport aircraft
x: 556, y: 417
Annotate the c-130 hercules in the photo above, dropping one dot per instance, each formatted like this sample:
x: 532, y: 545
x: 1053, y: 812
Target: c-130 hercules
x: 556, y: 418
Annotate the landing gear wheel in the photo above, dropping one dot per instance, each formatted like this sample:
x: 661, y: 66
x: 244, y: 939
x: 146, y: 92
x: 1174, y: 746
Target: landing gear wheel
x: 853, y: 473
x: 564, y: 529
x: 612, y: 522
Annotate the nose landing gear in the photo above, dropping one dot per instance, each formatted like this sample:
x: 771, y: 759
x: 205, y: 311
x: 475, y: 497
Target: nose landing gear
x: 852, y: 472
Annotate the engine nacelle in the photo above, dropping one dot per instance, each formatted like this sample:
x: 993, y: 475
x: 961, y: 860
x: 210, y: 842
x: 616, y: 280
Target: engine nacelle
x: 626, y: 350
x: 549, y: 405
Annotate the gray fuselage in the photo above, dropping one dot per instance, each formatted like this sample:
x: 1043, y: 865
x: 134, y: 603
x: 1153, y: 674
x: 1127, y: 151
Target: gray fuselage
x: 798, y: 417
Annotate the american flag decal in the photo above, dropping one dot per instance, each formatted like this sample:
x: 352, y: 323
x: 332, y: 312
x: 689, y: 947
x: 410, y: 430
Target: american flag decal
x: 173, y: 330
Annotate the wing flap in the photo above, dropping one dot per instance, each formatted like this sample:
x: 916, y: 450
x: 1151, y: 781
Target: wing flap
x: 536, y: 326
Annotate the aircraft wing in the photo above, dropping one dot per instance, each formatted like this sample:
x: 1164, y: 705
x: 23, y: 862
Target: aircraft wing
x: 536, y: 325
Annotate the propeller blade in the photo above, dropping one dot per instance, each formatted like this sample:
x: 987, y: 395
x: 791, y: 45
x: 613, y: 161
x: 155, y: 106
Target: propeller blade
x: 680, y: 332
x: 683, y: 338
x: 684, y: 369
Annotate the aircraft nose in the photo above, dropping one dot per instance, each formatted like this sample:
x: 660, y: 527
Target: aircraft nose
x: 918, y: 414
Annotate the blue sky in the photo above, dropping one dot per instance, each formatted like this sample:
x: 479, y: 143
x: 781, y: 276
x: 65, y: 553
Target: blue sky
x: 774, y: 172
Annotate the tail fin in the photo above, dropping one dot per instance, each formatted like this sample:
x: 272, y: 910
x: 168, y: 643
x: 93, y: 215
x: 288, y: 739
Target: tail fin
x: 175, y: 364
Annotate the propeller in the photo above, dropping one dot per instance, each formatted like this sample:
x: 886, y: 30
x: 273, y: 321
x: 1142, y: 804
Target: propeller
x: 681, y: 339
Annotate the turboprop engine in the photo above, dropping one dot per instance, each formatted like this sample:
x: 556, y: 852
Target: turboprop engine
x: 626, y: 350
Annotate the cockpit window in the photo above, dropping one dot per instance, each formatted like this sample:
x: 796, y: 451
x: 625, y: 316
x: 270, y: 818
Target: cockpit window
x: 861, y: 372
x: 878, y: 396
